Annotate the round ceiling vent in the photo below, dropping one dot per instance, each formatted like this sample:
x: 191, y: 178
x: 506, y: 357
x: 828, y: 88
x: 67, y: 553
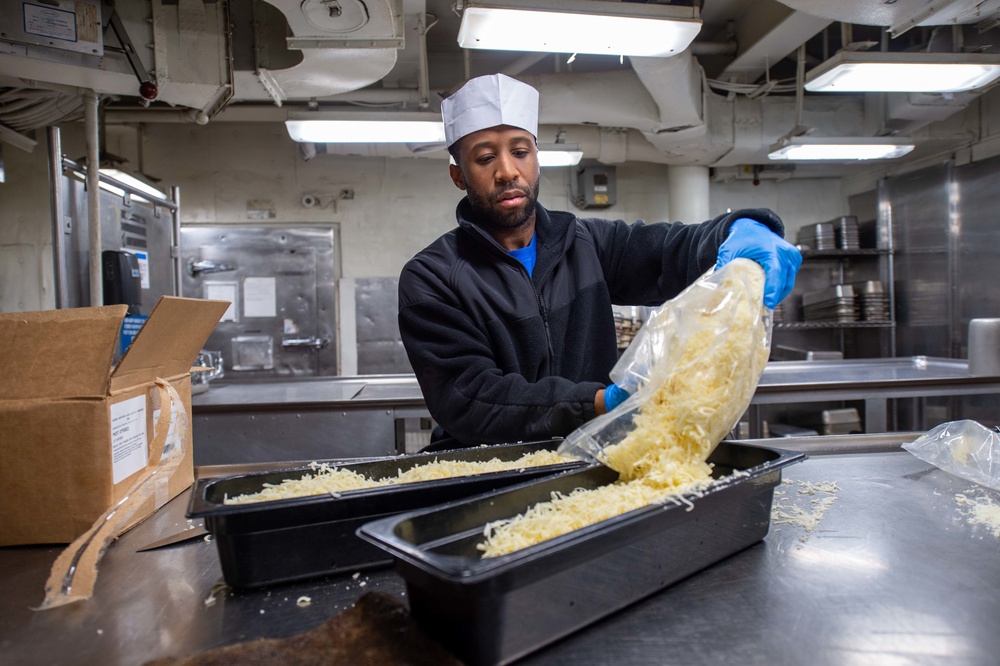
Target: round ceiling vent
x: 335, y: 16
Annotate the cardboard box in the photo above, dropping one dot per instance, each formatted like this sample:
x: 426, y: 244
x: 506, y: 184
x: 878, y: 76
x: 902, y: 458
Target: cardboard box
x: 75, y: 430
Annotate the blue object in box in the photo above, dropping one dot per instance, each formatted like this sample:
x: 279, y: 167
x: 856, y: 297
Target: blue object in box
x: 130, y: 328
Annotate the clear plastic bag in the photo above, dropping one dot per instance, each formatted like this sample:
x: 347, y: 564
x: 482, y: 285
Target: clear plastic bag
x: 692, y: 370
x: 963, y: 448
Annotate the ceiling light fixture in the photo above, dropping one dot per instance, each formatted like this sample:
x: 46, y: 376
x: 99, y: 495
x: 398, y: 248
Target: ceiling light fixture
x: 885, y: 71
x: 130, y: 180
x: 416, y: 128
x: 578, y: 26
x: 843, y: 149
x: 559, y: 155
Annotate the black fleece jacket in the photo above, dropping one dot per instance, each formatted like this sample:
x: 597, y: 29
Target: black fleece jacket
x: 504, y: 357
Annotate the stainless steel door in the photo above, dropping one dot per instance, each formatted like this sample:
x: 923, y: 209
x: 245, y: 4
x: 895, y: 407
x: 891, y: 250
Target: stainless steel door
x: 281, y: 281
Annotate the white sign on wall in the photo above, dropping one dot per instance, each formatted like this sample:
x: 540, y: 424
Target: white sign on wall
x: 260, y: 297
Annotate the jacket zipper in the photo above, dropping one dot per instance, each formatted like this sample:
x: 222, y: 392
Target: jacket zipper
x: 538, y: 299
x: 543, y: 313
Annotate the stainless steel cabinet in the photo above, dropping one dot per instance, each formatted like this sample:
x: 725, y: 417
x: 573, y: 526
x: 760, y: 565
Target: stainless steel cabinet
x: 282, y: 283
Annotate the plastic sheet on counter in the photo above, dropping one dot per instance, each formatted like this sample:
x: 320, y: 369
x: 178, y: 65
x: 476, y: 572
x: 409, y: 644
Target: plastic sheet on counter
x: 964, y: 448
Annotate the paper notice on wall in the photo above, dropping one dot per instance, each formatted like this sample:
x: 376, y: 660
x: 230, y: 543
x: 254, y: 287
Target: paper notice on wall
x: 129, y: 446
x: 223, y: 291
x: 143, y: 258
x: 49, y: 22
x: 259, y: 297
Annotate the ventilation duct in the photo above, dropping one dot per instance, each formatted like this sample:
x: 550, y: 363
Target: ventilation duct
x: 294, y: 49
x: 326, y: 48
x: 182, y: 47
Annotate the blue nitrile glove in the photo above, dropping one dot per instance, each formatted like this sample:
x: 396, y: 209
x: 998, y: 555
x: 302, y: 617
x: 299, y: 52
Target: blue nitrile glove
x: 781, y: 260
x: 614, y: 395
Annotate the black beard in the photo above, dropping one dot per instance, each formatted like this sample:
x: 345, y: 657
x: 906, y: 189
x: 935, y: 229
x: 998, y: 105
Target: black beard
x: 487, y: 215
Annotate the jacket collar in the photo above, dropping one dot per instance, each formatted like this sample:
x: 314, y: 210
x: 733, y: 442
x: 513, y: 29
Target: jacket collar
x: 551, y: 227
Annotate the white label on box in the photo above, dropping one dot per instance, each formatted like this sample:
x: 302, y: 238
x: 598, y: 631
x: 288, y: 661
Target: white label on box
x: 129, y: 447
x: 260, y: 297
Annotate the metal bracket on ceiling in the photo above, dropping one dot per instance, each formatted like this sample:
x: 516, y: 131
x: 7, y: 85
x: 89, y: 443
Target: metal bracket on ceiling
x: 147, y: 88
x: 271, y: 86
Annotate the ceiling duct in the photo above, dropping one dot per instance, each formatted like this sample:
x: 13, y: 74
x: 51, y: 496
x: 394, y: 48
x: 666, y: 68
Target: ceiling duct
x: 184, y: 47
x: 338, y: 46
x: 296, y: 49
x: 901, y: 15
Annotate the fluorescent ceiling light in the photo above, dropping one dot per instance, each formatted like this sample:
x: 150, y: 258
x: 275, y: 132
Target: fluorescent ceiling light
x: 579, y: 26
x: 366, y: 131
x: 842, y: 149
x: 882, y: 71
x: 559, y: 155
x: 131, y: 181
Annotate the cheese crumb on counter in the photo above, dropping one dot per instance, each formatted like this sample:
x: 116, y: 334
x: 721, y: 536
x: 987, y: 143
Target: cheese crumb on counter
x: 334, y: 480
x: 809, y: 518
x: 980, y: 511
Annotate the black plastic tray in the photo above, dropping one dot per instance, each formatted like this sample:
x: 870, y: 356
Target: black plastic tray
x: 496, y: 610
x: 292, y: 539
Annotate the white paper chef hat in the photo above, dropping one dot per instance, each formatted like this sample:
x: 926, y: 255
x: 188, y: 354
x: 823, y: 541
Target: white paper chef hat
x: 488, y: 101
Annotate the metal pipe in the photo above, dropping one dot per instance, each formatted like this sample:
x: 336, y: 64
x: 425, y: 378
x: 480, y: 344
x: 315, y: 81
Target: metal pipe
x: 90, y: 102
x: 175, y: 243
x: 423, y: 72
x: 56, y: 191
x: 800, y: 82
x: 688, y: 192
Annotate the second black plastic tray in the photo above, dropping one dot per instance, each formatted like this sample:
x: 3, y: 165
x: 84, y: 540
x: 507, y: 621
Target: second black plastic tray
x: 292, y: 539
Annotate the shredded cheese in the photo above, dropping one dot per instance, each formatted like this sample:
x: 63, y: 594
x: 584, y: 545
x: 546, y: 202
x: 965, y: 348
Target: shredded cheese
x: 685, y: 412
x: 334, y: 480
x: 809, y: 517
x: 981, y: 511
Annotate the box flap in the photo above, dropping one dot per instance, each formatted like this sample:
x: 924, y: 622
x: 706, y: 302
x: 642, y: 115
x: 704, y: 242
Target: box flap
x: 58, y: 353
x: 169, y: 341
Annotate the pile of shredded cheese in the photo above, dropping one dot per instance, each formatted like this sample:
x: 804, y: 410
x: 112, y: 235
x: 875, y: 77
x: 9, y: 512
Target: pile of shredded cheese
x: 681, y: 419
x: 981, y: 511
x: 824, y: 495
x: 336, y: 480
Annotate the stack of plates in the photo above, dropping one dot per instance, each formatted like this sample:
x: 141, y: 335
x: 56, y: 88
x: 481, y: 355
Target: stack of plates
x: 817, y: 236
x: 833, y: 304
x: 846, y: 231
x: 873, y: 303
x: 626, y: 329
x: 779, y: 313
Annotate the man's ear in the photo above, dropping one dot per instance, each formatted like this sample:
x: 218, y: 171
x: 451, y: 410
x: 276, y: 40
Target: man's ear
x: 456, y: 176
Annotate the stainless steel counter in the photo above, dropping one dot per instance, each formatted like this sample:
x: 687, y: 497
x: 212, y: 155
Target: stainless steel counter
x: 365, y: 416
x: 893, y: 574
x: 369, y: 391
x: 305, y: 419
x: 876, y: 381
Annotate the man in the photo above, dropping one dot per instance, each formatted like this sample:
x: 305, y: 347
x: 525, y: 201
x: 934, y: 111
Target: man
x: 507, y: 320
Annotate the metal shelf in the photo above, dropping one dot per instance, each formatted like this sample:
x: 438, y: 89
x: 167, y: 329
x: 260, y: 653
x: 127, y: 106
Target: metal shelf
x: 818, y: 325
x: 843, y: 254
